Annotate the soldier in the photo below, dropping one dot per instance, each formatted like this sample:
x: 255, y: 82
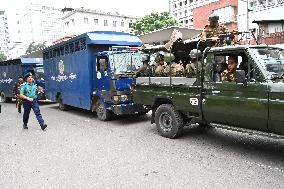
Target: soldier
x: 161, y: 65
x: 230, y: 73
x: 144, y: 70
x: 195, y: 64
x: 16, y: 92
x: 213, y: 30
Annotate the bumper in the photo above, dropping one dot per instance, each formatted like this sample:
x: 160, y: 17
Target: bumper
x: 130, y: 108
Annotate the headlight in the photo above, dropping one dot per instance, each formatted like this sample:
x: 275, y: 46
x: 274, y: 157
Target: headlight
x: 123, y: 98
x: 116, y: 98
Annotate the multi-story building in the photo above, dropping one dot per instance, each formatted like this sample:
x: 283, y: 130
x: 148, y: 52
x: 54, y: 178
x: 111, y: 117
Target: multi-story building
x: 39, y: 24
x: 4, y: 34
x: 255, y: 10
x: 83, y: 20
x: 182, y: 10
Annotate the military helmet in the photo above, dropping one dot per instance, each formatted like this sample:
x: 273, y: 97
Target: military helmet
x: 194, y: 53
x: 213, y: 18
x: 145, y: 57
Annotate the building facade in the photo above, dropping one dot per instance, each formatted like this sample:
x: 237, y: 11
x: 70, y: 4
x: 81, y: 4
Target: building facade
x: 182, y: 10
x: 4, y: 34
x: 82, y: 20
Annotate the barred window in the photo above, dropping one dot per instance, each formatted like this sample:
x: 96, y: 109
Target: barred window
x: 71, y: 47
x: 66, y: 49
x: 77, y: 46
x: 83, y: 44
x: 62, y: 51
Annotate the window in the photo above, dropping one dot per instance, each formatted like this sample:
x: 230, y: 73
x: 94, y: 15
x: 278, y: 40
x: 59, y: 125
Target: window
x: 102, y: 64
x: 83, y: 44
x: 77, y: 46
x: 71, y: 47
x: 122, y: 24
x: 180, y: 3
x: 86, y: 20
x: 73, y: 22
x: 175, y: 6
x: 105, y: 23
x: 66, y: 49
x: 67, y: 24
x: 114, y: 23
x: 185, y: 2
x: 96, y: 21
x: 61, y: 51
x: 226, y: 14
x: 185, y: 13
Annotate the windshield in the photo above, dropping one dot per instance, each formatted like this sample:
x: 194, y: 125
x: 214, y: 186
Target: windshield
x: 273, y: 59
x: 125, y: 62
x: 39, y: 72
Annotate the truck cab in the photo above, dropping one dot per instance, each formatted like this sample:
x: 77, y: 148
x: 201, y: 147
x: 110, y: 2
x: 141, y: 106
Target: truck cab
x: 253, y: 102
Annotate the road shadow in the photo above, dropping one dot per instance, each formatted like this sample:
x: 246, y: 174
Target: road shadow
x: 122, y: 119
x: 242, y: 143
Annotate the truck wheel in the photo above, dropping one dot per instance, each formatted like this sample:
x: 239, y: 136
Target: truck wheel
x: 62, y: 106
x: 169, y: 122
x: 102, y: 113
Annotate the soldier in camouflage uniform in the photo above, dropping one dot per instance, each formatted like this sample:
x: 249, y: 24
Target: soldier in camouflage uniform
x: 195, y: 65
x: 213, y: 30
x: 16, y: 92
x: 230, y: 73
x: 145, y: 69
x: 160, y: 66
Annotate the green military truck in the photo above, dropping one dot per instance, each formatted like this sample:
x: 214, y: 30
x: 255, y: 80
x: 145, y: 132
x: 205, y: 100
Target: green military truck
x: 253, y: 103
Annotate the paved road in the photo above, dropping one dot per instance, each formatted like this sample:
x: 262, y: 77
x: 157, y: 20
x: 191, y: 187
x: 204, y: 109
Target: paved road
x: 78, y: 151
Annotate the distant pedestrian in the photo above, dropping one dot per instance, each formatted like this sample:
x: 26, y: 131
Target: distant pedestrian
x: 29, y: 94
x: 16, y: 92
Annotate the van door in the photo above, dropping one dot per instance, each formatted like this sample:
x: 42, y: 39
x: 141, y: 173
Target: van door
x: 231, y: 103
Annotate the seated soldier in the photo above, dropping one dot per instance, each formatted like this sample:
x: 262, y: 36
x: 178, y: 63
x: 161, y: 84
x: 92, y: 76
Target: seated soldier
x: 195, y: 65
x: 160, y: 66
x: 144, y: 70
x: 230, y: 73
x: 175, y: 70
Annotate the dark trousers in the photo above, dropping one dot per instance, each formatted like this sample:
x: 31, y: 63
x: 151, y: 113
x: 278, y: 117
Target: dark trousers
x: 27, y: 109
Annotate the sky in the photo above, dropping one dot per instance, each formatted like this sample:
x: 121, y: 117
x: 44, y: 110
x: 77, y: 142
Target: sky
x: 128, y: 7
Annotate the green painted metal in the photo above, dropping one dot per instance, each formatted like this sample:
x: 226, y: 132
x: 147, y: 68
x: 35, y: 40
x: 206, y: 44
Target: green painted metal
x: 257, y: 105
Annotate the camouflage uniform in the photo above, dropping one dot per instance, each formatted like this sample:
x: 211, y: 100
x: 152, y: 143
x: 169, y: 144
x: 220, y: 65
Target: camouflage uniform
x: 160, y: 70
x: 191, y: 69
x: 213, y: 31
x: 228, y: 76
x: 176, y: 70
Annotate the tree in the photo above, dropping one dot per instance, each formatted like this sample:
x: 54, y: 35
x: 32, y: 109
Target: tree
x: 3, y: 57
x: 152, y: 22
x: 35, y: 47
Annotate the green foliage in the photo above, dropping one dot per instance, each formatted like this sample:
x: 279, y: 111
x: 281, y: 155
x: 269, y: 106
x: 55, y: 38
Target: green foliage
x: 3, y: 57
x: 35, y: 47
x: 152, y: 22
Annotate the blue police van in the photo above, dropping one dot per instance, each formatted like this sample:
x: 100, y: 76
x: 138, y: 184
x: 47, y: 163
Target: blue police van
x: 94, y: 71
x: 10, y: 70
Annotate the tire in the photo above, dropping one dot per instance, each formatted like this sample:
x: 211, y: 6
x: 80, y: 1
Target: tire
x: 61, y: 105
x: 102, y: 113
x: 5, y: 99
x: 169, y: 122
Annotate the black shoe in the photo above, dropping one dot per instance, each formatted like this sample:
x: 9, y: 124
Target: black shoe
x: 25, y: 126
x: 43, y: 126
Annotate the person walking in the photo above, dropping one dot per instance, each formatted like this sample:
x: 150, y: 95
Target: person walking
x: 16, y: 92
x: 29, y: 94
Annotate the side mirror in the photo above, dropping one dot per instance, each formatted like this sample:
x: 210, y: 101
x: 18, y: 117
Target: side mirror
x: 241, y: 77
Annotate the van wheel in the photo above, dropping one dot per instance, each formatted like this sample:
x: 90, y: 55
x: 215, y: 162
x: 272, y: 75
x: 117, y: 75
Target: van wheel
x: 62, y: 106
x: 169, y: 122
x: 102, y: 113
x: 3, y: 98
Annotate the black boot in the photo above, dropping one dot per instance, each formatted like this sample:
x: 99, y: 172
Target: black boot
x: 43, y: 126
x: 25, y: 126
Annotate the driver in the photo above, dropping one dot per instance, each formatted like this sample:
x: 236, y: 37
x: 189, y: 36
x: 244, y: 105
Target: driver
x: 230, y: 73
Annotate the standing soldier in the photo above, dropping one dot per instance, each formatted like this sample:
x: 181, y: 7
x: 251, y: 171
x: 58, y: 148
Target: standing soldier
x: 195, y: 65
x: 213, y: 30
x: 29, y: 93
x: 16, y: 92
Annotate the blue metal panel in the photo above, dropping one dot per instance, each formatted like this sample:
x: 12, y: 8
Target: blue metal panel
x: 113, y: 38
x: 8, y: 76
x: 37, y: 61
